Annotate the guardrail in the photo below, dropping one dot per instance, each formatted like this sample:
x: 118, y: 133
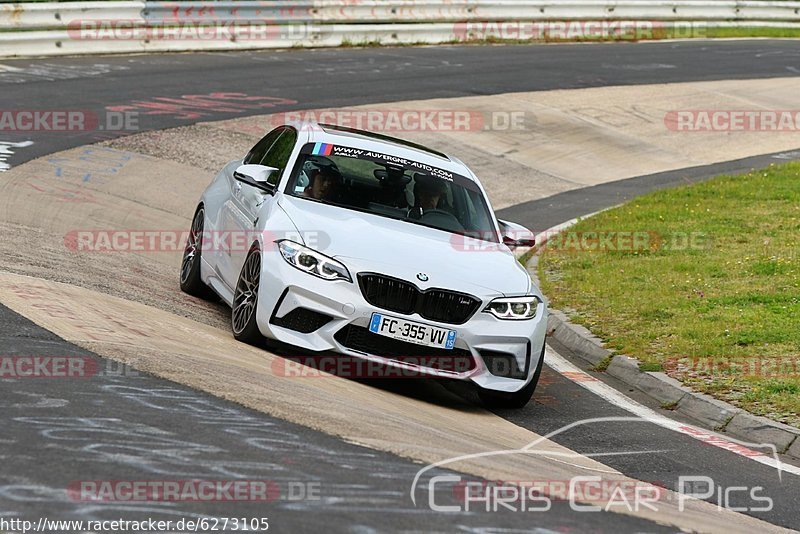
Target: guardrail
x: 480, y: 10
x: 61, y: 28
x: 56, y: 15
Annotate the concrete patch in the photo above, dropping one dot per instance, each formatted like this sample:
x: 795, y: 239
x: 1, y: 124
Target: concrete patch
x: 761, y: 430
x: 709, y: 411
x: 45, y: 200
x: 667, y: 392
x: 794, y: 450
x: 663, y: 388
x: 206, y: 149
x: 578, y: 338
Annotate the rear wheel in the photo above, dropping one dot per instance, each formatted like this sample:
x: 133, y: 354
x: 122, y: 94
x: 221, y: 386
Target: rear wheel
x: 516, y: 400
x: 245, y: 300
x: 191, y: 282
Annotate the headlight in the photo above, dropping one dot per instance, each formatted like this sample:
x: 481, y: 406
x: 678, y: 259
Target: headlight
x: 313, y: 262
x: 514, y: 308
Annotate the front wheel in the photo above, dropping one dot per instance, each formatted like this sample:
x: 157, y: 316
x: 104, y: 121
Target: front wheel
x: 245, y: 300
x: 516, y: 400
x: 191, y: 282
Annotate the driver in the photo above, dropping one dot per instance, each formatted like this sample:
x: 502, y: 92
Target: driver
x: 322, y: 184
x: 428, y: 191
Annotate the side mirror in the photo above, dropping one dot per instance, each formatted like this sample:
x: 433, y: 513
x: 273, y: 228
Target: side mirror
x: 515, y: 235
x: 257, y: 176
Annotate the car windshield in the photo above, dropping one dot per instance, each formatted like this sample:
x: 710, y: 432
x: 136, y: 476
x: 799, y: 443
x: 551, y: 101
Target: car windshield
x: 391, y: 186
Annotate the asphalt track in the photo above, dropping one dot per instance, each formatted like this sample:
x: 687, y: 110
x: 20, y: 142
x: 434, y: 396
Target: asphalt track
x: 334, y: 78
x: 124, y: 425
x: 84, y: 429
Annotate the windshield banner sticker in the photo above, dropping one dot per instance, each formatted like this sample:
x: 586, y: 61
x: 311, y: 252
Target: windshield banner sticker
x: 322, y: 149
x: 325, y: 149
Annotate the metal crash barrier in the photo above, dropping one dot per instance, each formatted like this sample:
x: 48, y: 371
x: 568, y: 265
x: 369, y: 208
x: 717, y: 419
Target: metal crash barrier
x: 65, y: 28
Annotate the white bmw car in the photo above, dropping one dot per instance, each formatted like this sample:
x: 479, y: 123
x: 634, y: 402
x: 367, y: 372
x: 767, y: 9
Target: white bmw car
x: 346, y: 242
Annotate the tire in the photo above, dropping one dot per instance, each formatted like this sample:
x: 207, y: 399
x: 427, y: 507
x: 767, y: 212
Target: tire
x: 516, y: 400
x: 190, y: 265
x: 245, y: 300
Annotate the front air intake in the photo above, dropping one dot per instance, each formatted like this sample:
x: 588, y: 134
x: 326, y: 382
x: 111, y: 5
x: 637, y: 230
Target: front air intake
x: 399, y: 296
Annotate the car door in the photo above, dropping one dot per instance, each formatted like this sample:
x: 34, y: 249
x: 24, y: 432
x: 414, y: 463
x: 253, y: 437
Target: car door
x: 228, y: 228
x: 249, y: 203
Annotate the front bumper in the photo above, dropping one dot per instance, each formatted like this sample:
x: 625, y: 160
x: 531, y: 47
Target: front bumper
x: 483, y: 337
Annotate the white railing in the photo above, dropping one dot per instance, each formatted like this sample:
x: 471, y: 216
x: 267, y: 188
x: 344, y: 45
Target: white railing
x: 55, y: 15
x: 56, y: 28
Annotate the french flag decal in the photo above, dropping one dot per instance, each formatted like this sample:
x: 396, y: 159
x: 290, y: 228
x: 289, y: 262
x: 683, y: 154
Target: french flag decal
x: 322, y: 149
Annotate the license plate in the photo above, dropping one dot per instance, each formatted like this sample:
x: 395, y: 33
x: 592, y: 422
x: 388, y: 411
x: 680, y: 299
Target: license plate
x: 413, y: 332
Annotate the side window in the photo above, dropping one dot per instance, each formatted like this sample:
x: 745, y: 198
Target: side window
x: 256, y: 153
x: 278, y: 155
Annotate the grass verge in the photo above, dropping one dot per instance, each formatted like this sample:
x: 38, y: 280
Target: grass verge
x: 744, y: 32
x: 702, y: 281
x: 705, y: 33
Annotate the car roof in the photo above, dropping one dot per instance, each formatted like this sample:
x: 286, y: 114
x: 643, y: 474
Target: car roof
x: 342, y: 135
x: 353, y: 132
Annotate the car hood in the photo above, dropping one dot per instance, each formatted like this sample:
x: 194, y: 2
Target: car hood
x: 366, y: 242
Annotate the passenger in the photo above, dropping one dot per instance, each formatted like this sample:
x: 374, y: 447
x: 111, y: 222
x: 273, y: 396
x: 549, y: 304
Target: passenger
x: 322, y: 184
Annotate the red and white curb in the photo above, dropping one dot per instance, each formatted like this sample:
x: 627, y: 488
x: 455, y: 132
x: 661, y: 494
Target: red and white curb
x: 748, y: 450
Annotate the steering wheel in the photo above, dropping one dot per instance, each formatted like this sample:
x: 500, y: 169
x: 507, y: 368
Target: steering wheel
x: 442, y: 219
